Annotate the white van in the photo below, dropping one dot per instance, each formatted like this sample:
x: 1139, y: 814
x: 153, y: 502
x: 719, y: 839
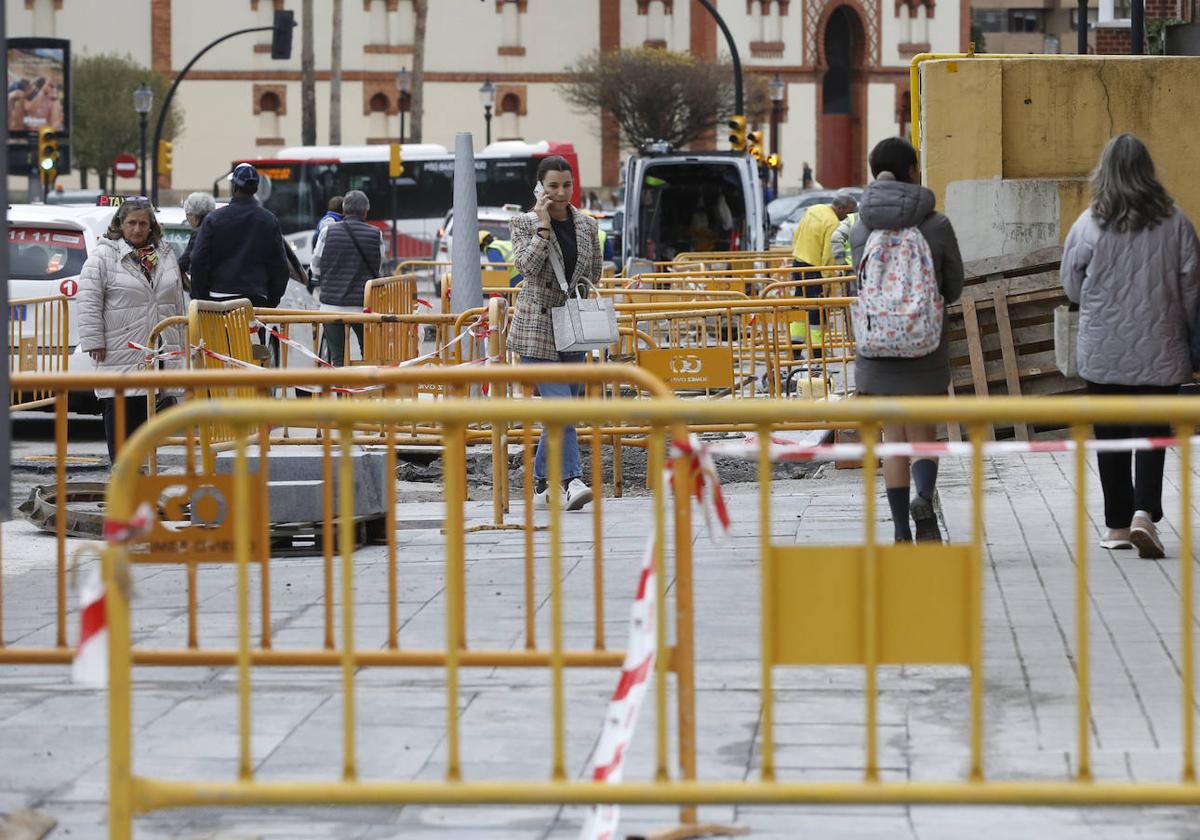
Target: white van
x: 692, y: 201
x: 47, y: 247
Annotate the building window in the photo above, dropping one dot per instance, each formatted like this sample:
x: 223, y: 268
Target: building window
x: 510, y: 27
x: 402, y: 22
x: 1010, y: 20
x: 270, y: 104
x: 1092, y: 16
x: 378, y: 107
x: 508, y: 112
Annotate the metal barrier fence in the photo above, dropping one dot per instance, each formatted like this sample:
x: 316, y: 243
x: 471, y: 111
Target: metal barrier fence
x: 39, y: 341
x: 197, y: 467
x: 866, y: 605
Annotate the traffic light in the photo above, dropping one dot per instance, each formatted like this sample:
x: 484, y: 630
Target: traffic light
x: 166, y: 155
x: 281, y: 34
x: 737, y: 133
x: 47, y: 153
x: 396, y: 162
x: 773, y: 161
x: 754, y: 145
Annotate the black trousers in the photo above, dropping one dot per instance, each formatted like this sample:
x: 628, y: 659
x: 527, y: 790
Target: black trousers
x: 1124, y: 492
x: 135, y: 415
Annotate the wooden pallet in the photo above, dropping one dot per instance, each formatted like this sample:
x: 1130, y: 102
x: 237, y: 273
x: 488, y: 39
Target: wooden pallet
x: 1002, y: 334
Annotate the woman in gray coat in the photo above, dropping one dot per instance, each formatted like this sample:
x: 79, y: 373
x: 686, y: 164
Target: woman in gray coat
x: 896, y: 200
x: 1131, y: 263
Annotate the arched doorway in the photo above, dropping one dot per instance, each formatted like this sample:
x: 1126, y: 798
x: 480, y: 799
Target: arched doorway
x: 840, y: 151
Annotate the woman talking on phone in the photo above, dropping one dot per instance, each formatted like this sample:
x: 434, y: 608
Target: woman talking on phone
x: 553, y: 231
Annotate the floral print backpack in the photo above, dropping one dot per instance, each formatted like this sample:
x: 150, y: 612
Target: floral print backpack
x: 898, y: 311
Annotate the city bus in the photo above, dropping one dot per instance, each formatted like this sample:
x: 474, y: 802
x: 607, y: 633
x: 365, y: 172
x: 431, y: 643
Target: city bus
x: 299, y: 181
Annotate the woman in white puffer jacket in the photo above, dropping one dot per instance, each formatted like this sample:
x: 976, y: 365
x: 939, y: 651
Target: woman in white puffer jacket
x: 128, y: 285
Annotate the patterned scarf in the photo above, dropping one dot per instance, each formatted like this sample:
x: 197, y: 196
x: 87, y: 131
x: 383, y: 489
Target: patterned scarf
x: 147, y: 256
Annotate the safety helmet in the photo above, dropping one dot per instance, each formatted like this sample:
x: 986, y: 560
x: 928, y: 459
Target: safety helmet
x: 485, y: 237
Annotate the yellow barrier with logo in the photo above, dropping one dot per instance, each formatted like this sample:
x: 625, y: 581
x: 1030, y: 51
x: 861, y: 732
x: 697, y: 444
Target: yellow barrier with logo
x: 39, y: 341
x: 865, y: 605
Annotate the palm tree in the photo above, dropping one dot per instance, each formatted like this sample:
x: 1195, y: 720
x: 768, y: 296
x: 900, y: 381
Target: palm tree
x: 335, y: 77
x: 417, y: 100
x: 308, y: 79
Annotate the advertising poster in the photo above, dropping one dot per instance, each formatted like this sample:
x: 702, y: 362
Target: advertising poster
x: 38, y: 79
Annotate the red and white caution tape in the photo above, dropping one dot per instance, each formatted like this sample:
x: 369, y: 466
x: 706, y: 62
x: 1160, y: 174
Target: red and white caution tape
x: 782, y: 449
x: 153, y: 355
x: 90, y: 666
x: 620, y: 719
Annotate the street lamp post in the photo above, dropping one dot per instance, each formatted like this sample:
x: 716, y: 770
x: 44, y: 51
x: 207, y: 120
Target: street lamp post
x: 776, y: 88
x: 487, y: 95
x: 143, y: 101
x: 403, y: 83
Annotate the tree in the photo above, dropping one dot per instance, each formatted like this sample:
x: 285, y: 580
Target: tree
x: 104, y: 122
x: 417, y: 100
x: 335, y: 77
x: 308, y: 78
x: 655, y: 94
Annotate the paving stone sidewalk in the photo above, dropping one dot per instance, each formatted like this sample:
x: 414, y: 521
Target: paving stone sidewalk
x: 53, y: 736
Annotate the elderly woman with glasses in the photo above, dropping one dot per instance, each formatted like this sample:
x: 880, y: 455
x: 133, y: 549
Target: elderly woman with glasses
x: 196, y: 206
x: 128, y: 285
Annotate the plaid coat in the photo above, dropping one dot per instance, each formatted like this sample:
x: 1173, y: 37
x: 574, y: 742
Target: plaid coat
x: 532, y: 331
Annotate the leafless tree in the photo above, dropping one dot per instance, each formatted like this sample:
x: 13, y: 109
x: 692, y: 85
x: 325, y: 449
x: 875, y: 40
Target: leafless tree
x: 655, y: 94
x: 335, y: 76
x: 308, y: 78
x: 417, y: 101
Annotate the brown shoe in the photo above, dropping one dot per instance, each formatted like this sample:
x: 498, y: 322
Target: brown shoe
x: 1144, y: 536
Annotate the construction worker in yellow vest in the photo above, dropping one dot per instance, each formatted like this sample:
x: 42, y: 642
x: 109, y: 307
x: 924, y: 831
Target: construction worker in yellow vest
x: 499, y: 251
x: 812, y: 245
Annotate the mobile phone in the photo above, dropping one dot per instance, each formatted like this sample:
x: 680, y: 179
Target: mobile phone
x: 538, y: 190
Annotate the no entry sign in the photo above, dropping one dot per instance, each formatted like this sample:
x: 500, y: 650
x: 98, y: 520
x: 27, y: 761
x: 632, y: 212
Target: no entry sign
x: 125, y: 166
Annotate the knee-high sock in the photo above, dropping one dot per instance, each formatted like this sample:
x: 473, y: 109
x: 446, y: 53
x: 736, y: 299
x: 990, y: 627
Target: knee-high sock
x: 898, y: 501
x: 924, y: 473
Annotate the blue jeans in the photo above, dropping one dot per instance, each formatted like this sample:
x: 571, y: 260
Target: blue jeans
x: 558, y: 390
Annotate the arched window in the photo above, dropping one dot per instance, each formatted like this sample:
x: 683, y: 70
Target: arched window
x: 269, y: 102
x: 377, y: 120
x: 378, y: 104
x: 509, y: 117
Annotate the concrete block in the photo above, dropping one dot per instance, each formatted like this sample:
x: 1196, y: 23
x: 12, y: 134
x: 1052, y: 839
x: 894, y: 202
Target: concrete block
x: 297, y: 477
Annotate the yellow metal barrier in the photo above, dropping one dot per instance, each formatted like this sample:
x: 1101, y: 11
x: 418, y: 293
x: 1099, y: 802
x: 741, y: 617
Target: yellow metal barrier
x: 866, y: 606
x: 39, y: 341
x: 393, y: 382
x: 742, y: 348
x: 387, y: 341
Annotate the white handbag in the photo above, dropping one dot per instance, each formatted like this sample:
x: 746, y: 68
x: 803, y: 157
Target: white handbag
x: 582, y: 324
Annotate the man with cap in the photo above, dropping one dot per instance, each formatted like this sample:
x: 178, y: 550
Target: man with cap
x: 240, y: 251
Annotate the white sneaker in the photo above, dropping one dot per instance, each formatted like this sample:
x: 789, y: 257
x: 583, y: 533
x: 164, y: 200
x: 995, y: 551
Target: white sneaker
x: 541, y: 500
x: 1144, y: 536
x: 578, y: 494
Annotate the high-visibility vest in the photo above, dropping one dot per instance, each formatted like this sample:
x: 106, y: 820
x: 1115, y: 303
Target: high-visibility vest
x: 505, y: 249
x: 603, y: 239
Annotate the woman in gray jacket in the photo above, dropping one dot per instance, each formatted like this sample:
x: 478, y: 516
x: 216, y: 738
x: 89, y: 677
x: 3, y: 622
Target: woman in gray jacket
x: 129, y: 284
x: 894, y: 201
x: 1131, y: 263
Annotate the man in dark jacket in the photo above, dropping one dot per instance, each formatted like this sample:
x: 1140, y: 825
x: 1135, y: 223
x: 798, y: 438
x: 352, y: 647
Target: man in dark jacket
x: 239, y: 249
x: 348, y: 254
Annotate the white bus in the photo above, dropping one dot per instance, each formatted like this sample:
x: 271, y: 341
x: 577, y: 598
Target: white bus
x: 300, y: 180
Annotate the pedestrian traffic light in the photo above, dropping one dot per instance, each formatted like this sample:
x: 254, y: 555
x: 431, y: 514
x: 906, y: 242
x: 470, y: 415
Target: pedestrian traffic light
x: 47, y: 153
x: 166, y: 154
x: 281, y: 34
x: 396, y: 162
x: 737, y: 133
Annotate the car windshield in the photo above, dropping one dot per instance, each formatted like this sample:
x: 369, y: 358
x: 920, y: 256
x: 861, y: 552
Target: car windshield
x: 44, y: 253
